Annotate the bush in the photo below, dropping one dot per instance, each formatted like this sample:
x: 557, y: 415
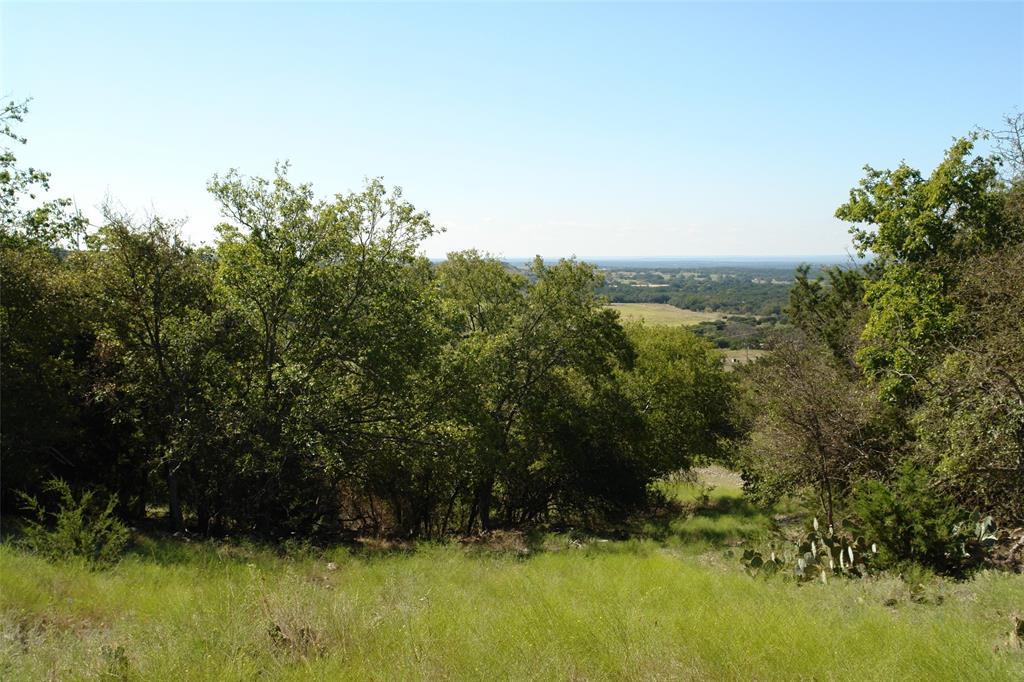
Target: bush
x: 914, y: 522
x: 84, y: 528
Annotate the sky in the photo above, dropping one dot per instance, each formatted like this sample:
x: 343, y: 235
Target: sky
x: 595, y: 130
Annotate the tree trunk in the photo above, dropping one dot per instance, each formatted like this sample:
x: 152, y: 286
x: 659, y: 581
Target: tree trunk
x: 826, y: 484
x: 485, y: 496
x: 177, y: 519
x: 203, y: 517
x: 472, y: 517
x: 828, y: 500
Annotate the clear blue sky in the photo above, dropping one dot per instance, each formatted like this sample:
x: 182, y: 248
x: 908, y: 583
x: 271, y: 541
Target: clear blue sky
x: 589, y: 129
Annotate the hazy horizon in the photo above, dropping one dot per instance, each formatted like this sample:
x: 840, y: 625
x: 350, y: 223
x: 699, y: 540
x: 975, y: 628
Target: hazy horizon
x: 686, y: 261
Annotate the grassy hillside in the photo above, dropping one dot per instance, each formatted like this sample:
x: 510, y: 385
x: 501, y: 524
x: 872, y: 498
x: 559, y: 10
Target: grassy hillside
x: 674, y: 605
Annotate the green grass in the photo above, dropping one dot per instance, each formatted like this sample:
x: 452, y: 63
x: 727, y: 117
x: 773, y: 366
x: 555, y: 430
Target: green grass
x: 717, y: 515
x: 674, y: 606
x: 662, y: 314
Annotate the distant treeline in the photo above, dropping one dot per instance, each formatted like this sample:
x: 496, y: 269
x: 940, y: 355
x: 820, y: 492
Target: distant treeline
x: 740, y: 331
x: 737, y: 290
x: 309, y: 375
x: 754, y: 300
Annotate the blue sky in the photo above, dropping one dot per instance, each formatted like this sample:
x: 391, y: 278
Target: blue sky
x: 589, y: 129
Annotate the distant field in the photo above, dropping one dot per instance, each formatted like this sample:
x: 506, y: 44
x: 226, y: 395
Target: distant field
x: 663, y: 314
x: 743, y: 355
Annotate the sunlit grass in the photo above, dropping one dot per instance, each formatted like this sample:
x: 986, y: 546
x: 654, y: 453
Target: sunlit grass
x: 671, y: 607
x: 663, y: 314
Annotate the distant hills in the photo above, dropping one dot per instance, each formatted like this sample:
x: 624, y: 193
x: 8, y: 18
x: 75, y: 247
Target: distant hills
x: 758, y: 262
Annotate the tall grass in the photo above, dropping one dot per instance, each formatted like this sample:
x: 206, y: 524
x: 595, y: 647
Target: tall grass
x: 632, y: 610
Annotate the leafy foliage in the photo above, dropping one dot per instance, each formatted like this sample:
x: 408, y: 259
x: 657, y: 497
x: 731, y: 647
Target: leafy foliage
x: 41, y: 322
x: 47, y: 223
x: 922, y: 230
x: 815, y: 427
x: 971, y: 418
x: 83, y: 528
x: 914, y: 521
x: 309, y: 374
x: 684, y: 398
x: 897, y: 399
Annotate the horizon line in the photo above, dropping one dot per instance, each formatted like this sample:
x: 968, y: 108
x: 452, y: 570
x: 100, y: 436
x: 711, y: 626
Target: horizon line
x: 794, y: 256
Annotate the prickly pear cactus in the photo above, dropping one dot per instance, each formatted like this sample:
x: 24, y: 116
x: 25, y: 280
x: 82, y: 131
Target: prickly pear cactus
x: 976, y: 539
x: 819, y: 555
x: 754, y: 563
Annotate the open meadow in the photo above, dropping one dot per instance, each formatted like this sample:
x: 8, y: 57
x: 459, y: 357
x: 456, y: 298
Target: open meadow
x: 662, y: 314
x: 674, y: 604
x: 665, y: 315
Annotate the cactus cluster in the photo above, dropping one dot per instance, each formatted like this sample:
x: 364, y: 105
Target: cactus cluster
x: 977, y: 538
x: 819, y: 555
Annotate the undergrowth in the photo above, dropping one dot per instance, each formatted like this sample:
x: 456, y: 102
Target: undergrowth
x: 668, y: 605
x: 82, y: 527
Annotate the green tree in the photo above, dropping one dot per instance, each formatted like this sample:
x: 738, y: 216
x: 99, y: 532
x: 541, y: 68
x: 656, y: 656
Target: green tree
x: 817, y: 426
x: 922, y: 231
x: 971, y: 420
x: 41, y: 322
x: 154, y: 319
x: 679, y: 388
x: 534, y: 358
x: 329, y: 295
x: 48, y: 224
x: 556, y: 397
x: 942, y: 333
x: 830, y: 308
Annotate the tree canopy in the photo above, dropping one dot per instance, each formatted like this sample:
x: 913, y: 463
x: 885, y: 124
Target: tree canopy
x: 310, y: 374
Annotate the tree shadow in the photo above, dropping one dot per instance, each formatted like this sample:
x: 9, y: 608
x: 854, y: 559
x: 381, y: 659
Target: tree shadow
x: 724, y: 520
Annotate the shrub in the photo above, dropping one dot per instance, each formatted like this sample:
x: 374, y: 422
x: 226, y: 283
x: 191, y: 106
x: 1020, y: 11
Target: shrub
x: 914, y: 522
x: 84, y: 528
